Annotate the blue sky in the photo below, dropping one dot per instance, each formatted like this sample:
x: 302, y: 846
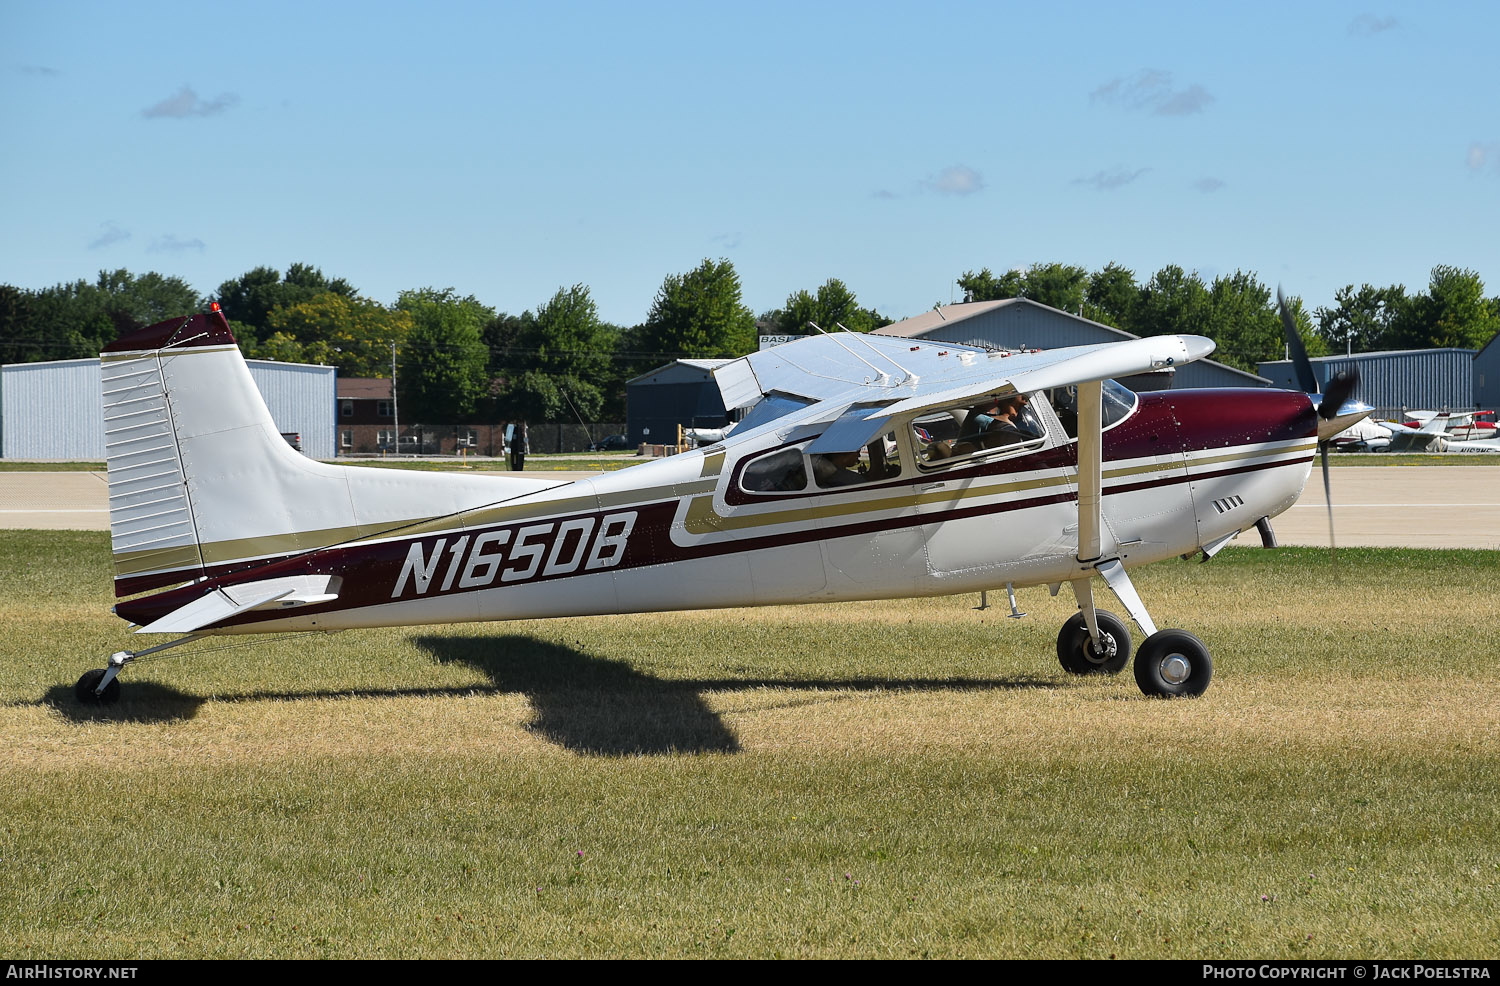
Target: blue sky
x: 508, y: 149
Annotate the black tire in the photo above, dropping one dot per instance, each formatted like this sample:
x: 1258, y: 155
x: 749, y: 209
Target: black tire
x: 1173, y: 664
x: 86, y: 689
x: 1075, y: 651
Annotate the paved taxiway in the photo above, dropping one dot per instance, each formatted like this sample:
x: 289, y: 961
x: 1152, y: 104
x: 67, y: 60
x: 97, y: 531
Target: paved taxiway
x: 1407, y: 506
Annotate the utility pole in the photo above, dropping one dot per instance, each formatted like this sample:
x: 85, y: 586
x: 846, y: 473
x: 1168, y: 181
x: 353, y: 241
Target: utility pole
x: 395, y: 411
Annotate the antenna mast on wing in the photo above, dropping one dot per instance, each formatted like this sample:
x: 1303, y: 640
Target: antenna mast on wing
x: 883, y: 378
x: 908, y: 378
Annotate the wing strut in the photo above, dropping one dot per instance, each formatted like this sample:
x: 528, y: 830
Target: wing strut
x: 1091, y: 519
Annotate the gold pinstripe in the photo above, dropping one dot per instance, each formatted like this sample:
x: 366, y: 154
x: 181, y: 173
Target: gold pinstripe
x: 700, y: 519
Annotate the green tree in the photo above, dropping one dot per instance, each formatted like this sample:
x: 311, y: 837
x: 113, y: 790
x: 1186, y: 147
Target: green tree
x: 1173, y: 302
x: 249, y: 299
x: 1243, y: 321
x: 349, y: 332
x: 699, y: 314
x: 65, y: 321
x: 1453, y: 312
x: 833, y: 305
x: 1111, y: 296
x: 135, y: 302
x: 76, y: 320
x: 1060, y: 286
x: 560, y: 361
x: 985, y: 286
x: 1362, y: 321
x: 443, y: 362
x: 20, y: 339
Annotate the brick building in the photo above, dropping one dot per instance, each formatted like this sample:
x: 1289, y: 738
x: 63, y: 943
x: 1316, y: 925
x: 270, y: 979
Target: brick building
x: 367, y: 426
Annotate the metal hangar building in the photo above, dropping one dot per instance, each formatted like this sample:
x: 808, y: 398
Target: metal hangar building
x: 680, y: 393
x: 52, y: 410
x: 1017, y: 323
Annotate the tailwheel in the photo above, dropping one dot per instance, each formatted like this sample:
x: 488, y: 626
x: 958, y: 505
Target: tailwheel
x: 1075, y: 650
x: 87, y: 690
x: 1173, y: 664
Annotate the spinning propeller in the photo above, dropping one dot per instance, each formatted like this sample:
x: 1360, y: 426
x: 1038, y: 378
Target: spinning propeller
x: 1334, y: 407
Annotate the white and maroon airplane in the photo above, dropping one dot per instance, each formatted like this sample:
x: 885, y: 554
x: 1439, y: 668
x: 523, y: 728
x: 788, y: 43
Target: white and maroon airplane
x: 867, y: 467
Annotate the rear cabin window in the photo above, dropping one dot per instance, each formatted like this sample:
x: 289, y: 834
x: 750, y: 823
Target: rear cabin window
x: 991, y: 426
x: 879, y: 460
x: 781, y: 471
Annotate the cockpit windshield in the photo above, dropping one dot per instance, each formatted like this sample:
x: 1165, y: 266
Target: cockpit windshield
x: 1118, y: 402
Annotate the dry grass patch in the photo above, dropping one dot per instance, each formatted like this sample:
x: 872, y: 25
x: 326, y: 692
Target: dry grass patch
x: 891, y: 779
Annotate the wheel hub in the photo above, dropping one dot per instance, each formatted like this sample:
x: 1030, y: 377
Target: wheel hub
x: 1175, y: 669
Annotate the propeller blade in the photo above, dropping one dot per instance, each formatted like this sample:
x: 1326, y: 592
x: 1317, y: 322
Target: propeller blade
x: 1295, y: 349
x: 1333, y: 549
x: 1340, y: 389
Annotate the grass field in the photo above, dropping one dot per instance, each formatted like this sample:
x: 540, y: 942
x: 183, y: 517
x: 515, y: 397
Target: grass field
x: 866, y: 780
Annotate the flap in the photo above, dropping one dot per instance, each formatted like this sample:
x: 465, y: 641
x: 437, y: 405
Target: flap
x: 853, y: 430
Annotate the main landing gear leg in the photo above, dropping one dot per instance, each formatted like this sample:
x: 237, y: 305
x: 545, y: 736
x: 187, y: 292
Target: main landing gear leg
x: 101, y: 687
x: 1093, y: 641
x: 1169, y: 663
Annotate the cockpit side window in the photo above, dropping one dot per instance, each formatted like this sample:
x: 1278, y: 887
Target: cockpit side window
x: 993, y: 425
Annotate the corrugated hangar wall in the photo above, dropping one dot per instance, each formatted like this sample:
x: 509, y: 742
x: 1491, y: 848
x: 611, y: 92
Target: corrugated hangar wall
x: 1430, y: 379
x: 53, y: 410
x: 1487, y: 375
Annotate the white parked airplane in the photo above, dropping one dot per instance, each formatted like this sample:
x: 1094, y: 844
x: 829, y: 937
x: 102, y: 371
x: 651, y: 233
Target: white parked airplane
x: 867, y: 467
x: 1442, y: 431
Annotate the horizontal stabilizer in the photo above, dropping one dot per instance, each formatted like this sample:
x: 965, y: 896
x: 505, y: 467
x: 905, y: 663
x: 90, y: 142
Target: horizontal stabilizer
x: 221, y: 604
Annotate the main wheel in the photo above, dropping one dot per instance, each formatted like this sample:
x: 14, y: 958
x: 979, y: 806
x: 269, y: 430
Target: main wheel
x: 86, y: 691
x: 1075, y: 650
x: 1173, y: 664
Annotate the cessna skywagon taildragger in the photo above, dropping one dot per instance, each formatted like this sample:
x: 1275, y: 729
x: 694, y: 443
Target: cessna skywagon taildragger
x: 866, y: 467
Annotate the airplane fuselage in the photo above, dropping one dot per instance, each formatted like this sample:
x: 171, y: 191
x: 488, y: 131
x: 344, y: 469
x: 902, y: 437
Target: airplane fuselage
x: 1184, y: 469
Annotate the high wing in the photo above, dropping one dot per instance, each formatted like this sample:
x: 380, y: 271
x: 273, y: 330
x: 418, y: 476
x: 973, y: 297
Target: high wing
x: 868, y: 380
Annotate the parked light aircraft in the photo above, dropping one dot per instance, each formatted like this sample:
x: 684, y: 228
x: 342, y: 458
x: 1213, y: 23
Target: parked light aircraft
x: 867, y: 467
x: 1442, y: 431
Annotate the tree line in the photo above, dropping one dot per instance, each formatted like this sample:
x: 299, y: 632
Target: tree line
x: 457, y: 359
x: 1240, y: 313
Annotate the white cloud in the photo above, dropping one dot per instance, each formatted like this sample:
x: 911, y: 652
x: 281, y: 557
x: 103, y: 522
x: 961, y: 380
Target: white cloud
x: 959, y: 179
x: 1483, y: 154
x: 1106, y: 181
x: 1152, y: 90
x: 187, y: 103
x: 1367, y: 25
x: 112, y: 233
x: 168, y: 243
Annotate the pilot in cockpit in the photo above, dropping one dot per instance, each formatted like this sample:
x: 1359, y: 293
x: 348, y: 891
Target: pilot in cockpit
x: 991, y: 424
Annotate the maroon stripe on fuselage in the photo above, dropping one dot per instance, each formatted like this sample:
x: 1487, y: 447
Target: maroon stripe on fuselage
x: 379, y: 566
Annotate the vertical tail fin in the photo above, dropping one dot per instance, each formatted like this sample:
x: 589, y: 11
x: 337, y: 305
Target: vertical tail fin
x: 201, y: 481
x: 153, y: 532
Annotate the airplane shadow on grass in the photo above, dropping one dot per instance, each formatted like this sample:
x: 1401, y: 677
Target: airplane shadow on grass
x: 582, y: 702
